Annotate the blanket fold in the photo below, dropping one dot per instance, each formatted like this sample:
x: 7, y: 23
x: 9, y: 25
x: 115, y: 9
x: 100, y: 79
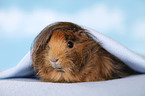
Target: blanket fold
x: 130, y: 58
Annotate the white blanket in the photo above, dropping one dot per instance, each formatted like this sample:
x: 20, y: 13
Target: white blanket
x: 130, y: 86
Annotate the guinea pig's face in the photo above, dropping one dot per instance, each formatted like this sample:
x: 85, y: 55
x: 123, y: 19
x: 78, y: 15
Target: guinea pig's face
x: 64, y: 52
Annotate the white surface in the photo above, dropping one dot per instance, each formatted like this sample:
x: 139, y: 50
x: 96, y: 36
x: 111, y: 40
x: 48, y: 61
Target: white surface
x: 129, y: 86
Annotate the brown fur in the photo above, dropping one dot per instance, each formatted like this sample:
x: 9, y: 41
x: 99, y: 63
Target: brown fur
x: 86, y: 61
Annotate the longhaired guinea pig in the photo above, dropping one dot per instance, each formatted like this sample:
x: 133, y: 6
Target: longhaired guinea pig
x: 65, y: 52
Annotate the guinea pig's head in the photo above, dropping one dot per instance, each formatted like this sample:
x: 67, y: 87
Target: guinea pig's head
x: 60, y: 51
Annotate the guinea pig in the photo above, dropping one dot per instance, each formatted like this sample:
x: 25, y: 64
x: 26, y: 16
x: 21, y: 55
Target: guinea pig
x: 65, y: 52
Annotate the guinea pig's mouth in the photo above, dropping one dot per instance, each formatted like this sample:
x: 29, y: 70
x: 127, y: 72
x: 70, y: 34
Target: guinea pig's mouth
x: 59, y: 69
x: 55, y: 66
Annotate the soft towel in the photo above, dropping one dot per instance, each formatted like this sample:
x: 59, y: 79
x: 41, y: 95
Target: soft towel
x: 129, y: 86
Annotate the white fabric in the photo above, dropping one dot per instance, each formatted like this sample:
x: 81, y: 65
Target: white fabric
x: 129, y: 57
x: 24, y: 68
x: 130, y: 86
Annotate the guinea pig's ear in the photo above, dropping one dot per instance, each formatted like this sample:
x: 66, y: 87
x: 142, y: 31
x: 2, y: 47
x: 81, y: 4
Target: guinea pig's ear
x: 82, y: 33
x: 85, y: 34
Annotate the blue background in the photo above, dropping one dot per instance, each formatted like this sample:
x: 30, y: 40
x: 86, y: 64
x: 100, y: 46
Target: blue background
x: 22, y: 20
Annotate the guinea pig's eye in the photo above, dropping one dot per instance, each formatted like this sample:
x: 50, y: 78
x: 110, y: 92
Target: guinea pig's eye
x: 70, y: 44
